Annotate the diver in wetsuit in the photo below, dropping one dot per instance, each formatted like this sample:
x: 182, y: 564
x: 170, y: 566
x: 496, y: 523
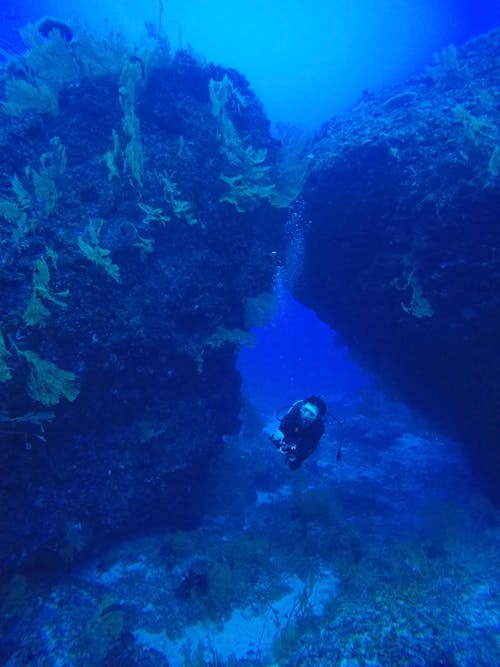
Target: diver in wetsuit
x: 300, y: 430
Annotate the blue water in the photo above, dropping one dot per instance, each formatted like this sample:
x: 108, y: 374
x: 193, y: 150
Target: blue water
x: 298, y: 355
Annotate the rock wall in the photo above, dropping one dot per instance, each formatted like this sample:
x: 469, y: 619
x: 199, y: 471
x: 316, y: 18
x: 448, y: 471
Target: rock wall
x: 403, y: 249
x: 138, y: 229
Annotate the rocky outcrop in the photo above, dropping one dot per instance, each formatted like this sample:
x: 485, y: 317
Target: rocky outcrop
x: 403, y: 250
x: 138, y: 228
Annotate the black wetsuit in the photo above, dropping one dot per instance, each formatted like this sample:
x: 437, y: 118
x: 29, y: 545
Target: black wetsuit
x: 301, y: 440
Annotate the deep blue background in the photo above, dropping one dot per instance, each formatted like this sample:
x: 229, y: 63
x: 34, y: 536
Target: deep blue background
x: 298, y: 355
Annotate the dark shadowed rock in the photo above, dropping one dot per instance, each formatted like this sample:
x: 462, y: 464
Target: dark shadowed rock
x: 403, y: 254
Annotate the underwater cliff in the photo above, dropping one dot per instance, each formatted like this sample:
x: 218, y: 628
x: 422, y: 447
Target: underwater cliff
x: 140, y: 222
x: 402, y: 254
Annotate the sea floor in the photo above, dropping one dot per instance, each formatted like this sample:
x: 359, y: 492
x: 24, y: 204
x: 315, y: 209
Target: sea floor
x: 389, y: 557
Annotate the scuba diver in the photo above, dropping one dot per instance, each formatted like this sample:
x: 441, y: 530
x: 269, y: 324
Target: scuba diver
x: 300, y: 430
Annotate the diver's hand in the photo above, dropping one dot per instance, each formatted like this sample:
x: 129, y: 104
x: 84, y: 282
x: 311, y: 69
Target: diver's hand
x: 277, y: 443
x: 277, y: 437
